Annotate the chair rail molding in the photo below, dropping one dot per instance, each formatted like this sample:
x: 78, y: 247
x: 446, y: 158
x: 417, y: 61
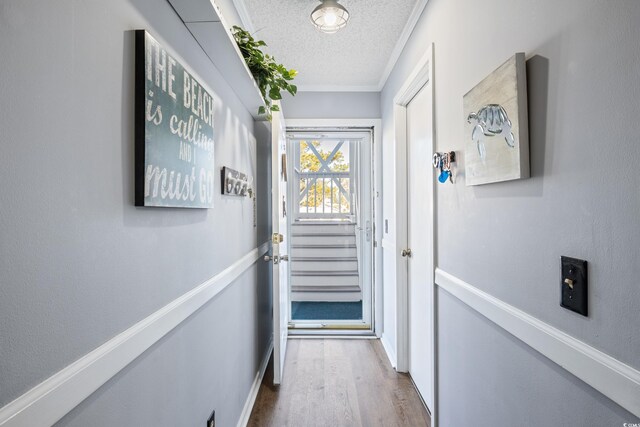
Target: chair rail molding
x: 56, y: 396
x: 614, y: 379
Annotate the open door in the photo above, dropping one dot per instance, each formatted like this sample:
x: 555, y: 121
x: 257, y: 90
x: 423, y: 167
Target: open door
x: 279, y: 245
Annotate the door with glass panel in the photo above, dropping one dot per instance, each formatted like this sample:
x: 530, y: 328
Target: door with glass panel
x: 331, y: 230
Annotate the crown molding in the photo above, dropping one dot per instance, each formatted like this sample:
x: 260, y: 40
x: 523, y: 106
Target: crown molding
x: 243, y: 12
x: 402, y: 41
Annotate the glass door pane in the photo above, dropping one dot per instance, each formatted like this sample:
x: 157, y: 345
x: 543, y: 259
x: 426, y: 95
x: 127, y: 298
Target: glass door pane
x: 331, y: 242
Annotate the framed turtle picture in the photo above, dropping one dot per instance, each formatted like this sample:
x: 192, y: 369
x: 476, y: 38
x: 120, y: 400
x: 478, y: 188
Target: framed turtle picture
x: 496, y: 131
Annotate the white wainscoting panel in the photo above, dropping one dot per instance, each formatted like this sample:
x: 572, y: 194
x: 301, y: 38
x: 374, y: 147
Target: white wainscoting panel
x: 56, y: 396
x: 614, y: 379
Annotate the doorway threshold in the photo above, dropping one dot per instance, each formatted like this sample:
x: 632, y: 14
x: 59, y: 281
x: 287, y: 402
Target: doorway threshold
x: 330, y: 329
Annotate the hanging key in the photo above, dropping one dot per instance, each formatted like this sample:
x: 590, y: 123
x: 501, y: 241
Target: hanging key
x: 437, y: 160
x: 444, y: 176
x: 448, y: 166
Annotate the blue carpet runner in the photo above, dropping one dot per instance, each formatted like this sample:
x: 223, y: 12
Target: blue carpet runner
x: 321, y: 310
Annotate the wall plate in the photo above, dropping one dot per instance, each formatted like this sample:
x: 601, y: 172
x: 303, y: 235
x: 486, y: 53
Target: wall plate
x: 573, y: 285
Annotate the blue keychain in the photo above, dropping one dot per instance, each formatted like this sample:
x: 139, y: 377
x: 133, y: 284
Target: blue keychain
x: 443, y: 161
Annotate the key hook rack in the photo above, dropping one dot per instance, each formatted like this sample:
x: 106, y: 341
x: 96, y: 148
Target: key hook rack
x: 443, y: 161
x: 236, y: 183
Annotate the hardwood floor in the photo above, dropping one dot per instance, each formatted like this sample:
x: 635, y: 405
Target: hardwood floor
x: 338, y: 382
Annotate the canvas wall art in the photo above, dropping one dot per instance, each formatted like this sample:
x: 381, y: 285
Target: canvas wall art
x: 174, y: 134
x: 496, y: 131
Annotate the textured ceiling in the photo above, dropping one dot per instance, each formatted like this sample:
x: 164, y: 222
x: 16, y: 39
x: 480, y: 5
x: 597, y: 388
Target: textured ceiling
x: 355, y: 57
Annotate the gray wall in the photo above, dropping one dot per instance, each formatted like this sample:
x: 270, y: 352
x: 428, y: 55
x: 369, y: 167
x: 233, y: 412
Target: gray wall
x: 79, y: 263
x: 582, y: 201
x: 332, y: 105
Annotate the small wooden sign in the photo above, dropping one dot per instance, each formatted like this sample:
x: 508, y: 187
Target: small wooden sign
x: 235, y: 183
x: 174, y: 118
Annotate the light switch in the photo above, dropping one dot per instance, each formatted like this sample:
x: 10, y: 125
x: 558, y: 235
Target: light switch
x: 573, y: 285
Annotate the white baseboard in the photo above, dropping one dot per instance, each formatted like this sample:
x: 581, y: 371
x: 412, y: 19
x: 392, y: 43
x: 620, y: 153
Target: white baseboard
x: 614, y: 379
x: 388, y: 348
x: 56, y: 396
x: 255, y: 388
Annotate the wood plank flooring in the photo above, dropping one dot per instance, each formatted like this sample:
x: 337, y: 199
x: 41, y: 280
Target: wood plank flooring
x: 338, y: 382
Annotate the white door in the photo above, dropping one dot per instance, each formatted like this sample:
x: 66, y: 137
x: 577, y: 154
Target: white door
x: 280, y: 243
x: 420, y: 240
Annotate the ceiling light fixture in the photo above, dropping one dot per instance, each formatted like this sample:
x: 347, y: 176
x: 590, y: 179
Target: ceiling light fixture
x: 330, y: 16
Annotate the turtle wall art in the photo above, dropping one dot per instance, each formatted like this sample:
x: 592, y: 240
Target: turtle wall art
x: 496, y: 130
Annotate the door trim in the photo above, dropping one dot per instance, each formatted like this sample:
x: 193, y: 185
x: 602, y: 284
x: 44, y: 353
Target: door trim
x: 421, y: 74
x: 376, y: 125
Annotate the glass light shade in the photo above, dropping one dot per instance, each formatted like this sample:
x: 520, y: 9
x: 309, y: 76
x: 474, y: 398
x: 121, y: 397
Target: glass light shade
x: 330, y: 16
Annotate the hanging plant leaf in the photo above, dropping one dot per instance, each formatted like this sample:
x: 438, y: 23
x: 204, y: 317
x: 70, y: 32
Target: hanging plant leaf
x: 272, y: 78
x: 274, y: 93
x: 292, y: 89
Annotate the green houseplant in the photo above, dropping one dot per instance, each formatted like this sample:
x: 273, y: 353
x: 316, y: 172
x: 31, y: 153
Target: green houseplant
x: 272, y: 78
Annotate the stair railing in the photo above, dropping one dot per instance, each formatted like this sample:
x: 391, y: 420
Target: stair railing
x: 324, y: 195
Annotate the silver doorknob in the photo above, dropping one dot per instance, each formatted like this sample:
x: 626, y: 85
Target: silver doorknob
x: 276, y: 259
x: 406, y: 253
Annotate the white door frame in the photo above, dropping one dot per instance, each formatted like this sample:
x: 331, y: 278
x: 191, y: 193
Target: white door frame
x: 421, y: 74
x: 376, y: 125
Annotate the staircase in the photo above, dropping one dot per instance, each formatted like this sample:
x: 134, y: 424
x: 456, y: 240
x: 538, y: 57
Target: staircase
x: 324, y: 261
